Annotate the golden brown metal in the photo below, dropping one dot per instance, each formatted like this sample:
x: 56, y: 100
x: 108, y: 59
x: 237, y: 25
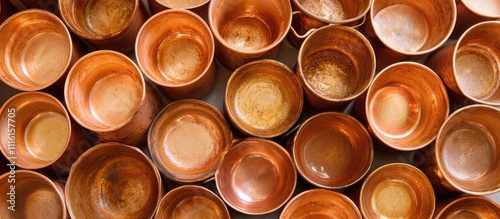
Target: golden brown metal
x: 36, y: 50
x: 404, y: 29
x: 471, y: 66
x: 468, y: 207
x: 112, y: 180
x: 257, y: 176
x: 465, y: 155
x: 106, y: 93
x: 175, y: 49
x: 263, y: 98
x: 39, y: 133
x: 397, y: 190
x: 106, y: 24
x: 192, y: 5
x: 189, y: 201
x: 6, y: 10
x: 406, y: 105
x: 188, y: 139
x: 332, y: 150
x: 335, y: 65
x: 246, y: 30
x: 35, y: 196
x: 320, y: 203
x: 471, y: 12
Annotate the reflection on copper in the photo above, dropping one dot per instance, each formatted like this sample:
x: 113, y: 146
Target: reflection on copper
x: 468, y: 207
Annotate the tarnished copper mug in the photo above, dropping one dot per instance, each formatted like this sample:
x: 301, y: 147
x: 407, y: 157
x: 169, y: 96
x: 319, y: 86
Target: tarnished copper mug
x: 467, y: 207
x: 257, y: 176
x: 465, y: 155
x: 112, y: 180
x: 405, y: 106
x: 38, y: 133
x: 31, y: 195
x: 247, y: 30
x: 320, y: 203
x: 263, y: 98
x: 407, y: 29
x: 106, y: 24
x: 189, y: 201
x: 193, y: 5
x: 106, y: 93
x: 332, y: 150
x: 36, y: 51
x: 6, y: 10
x: 470, y: 67
x: 312, y: 14
x: 188, y: 139
x: 397, y: 190
x: 175, y: 49
x: 471, y: 12
x: 335, y: 65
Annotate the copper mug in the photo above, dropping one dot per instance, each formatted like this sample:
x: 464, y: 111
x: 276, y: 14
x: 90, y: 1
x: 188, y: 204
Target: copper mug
x: 157, y: 6
x: 336, y: 64
x: 113, y: 180
x: 470, y: 12
x: 407, y: 30
x: 106, y: 24
x: 464, y: 158
x: 31, y: 195
x: 175, y: 49
x: 36, y: 50
x: 248, y: 30
x: 470, y: 66
x: 467, y: 206
x: 40, y: 134
x: 106, y: 93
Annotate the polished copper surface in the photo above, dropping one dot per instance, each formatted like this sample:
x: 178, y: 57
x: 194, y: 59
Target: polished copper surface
x: 406, y: 105
x: 112, y: 180
x: 465, y: 155
x: 36, y: 197
x: 106, y: 93
x: 45, y: 135
x: 175, y: 49
x: 188, y: 139
x: 320, y: 203
x: 257, y: 176
x: 247, y: 30
x: 263, y: 98
x: 397, y: 190
x: 106, y: 24
x: 471, y: 12
x: 332, y: 150
x: 36, y: 50
x: 471, y: 66
x: 192, y: 5
x: 189, y: 201
x: 335, y: 65
x: 468, y: 207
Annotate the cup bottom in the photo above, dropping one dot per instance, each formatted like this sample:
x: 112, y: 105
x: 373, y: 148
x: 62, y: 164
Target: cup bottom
x: 489, y: 8
x: 197, y: 207
x: 247, y: 33
x: 46, y: 136
x: 254, y: 179
x: 107, y: 17
x: 394, y: 199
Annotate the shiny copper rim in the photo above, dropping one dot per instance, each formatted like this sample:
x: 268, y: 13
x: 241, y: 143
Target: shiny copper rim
x: 465, y: 198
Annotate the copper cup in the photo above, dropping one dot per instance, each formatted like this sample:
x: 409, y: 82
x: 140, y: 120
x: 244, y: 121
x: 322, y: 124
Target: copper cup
x: 405, y: 106
x: 408, y: 29
x: 320, y: 203
x: 106, y: 24
x: 335, y: 65
x: 470, y: 66
x: 332, y: 150
x: 39, y: 133
x: 468, y: 207
x: 175, y: 49
x: 397, y: 190
x: 6, y: 10
x: 257, y: 176
x: 248, y: 30
x: 470, y: 12
x: 191, y: 202
x: 106, y: 93
x: 188, y: 139
x: 192, y: 5
x: 263, y: 98
x: 312, y: 14
x: 33, y: 195
x: 465, y: 155
x: 112, y: 180
x: 36, y: 50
